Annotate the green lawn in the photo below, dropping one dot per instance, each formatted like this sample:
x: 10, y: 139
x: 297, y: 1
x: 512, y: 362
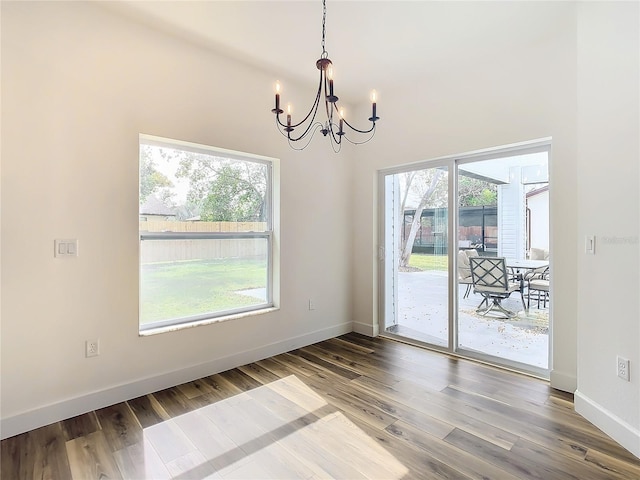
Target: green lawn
x: 181, y: 289
x: 429, y: 262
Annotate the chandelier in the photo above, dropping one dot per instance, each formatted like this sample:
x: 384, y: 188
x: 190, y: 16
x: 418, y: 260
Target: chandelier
x: 304, y: 130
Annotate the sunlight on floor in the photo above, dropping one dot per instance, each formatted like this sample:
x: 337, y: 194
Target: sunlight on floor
x: 280, y: 430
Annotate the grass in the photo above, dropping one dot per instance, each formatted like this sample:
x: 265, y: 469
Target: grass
x: 181, y: 289
x: 429, y: 262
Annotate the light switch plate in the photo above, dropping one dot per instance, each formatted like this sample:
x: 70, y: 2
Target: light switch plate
x: 590, y: 244
x: 65, y: 247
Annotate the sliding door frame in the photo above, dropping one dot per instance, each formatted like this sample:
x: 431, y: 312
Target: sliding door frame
x: 383, y: 308
x: 451, y: 163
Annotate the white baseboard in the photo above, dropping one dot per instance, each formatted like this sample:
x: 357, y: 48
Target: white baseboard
x: 72, y: 407
x: 563, y: 381
x: 370, y: 330
x: 625, y: 434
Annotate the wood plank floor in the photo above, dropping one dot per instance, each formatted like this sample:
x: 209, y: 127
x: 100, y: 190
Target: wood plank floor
x: 347, y: 408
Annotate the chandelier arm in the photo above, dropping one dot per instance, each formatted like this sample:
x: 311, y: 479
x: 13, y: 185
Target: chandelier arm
x: 292, y: 144
x: 313, y: 110
x: 332, y: 127
x: 296, y: 125
x: 336, y: 143
x: 282, y: 132
x: 358, y: 130
x: 360, y: 143
x: 316, y: 126
x: 335, y: 146
x: 337, y: 140
x: 278, y: 122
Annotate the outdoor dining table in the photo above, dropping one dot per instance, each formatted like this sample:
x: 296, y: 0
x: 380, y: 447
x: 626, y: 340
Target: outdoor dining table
x: 523, y: 265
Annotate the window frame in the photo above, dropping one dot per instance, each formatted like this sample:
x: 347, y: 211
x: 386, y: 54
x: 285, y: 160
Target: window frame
x: 177, y: 323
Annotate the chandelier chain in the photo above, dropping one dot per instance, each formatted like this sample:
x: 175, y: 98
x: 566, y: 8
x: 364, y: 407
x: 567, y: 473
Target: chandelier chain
x: 324, y: 18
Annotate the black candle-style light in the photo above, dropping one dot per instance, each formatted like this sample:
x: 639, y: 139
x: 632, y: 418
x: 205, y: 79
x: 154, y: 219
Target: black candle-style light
x: 374, y: 98
x: 308, y: 126
x: 277, y: 109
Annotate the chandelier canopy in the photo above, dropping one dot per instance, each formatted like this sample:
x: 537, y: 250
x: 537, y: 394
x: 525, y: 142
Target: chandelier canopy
x: 304, y: 130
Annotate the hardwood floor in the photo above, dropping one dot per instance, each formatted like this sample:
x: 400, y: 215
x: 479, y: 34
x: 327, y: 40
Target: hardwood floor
x: 347, y: 408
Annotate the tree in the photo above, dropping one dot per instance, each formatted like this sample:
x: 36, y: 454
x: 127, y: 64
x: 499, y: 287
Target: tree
x: 225, y: 189
x: 187, y: 211
x: 474, y: 193
x: 151, y: 180
x: 426, y: 186
x: 232, y: 198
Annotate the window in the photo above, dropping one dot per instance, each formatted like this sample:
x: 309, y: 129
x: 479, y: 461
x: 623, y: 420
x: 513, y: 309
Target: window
x: 206, y: 233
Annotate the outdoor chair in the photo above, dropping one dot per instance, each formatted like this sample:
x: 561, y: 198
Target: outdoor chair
x: 538, y: 254
x: 537, y: 273
x: 538, y: 283
x: 464, y: 270
x: 492, y: 281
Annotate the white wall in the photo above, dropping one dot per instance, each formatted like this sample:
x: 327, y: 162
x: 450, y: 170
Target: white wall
x: 498, y: 101
x: 581, y: 88
x: 78, y: 86
x: 608, y: 200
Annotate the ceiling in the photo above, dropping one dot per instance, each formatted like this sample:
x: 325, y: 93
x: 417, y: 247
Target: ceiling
x: 373, y: 44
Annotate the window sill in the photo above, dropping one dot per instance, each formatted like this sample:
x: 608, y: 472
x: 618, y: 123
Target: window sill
x: 208, y: 321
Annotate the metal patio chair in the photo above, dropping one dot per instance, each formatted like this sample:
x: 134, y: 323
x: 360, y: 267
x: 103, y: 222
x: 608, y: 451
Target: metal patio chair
x: 538, y: 285
x: 492, y: 280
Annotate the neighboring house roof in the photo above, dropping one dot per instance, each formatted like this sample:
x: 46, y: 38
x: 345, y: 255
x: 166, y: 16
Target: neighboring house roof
x: 154, y: 206
x: 537, y: 191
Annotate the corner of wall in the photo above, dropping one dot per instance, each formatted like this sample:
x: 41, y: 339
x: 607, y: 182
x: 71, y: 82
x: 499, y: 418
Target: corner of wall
x: 71, y: 407
x: 370, y: 330
x: 563, y: 381
x: 625, y: 434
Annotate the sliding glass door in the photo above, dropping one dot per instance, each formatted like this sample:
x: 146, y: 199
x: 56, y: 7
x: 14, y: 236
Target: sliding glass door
x: 497, y: 204
x: 416, y: 254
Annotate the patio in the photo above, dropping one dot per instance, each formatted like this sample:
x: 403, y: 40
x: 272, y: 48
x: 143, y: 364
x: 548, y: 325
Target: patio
x: 423, y: 313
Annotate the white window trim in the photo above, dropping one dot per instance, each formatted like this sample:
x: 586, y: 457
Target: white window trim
x: 272, y: 291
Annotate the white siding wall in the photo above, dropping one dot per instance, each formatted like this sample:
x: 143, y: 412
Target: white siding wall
x: 511, y: 219
x: 539, y: 210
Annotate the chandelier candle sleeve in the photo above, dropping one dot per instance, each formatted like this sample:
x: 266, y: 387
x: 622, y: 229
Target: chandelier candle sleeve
x: 330, y: 75
x: 374, y: 96
x: 277, y: 110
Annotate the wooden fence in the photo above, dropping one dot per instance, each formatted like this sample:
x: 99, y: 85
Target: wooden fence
x: 168, y: 226
x: 153, y: 251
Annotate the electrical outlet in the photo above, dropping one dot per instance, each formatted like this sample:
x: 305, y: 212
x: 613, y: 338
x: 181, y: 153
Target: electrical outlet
x: 92, y: 348
x: 623, y: 368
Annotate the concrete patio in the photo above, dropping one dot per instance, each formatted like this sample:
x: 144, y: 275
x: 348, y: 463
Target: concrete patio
x: 423, y: 315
